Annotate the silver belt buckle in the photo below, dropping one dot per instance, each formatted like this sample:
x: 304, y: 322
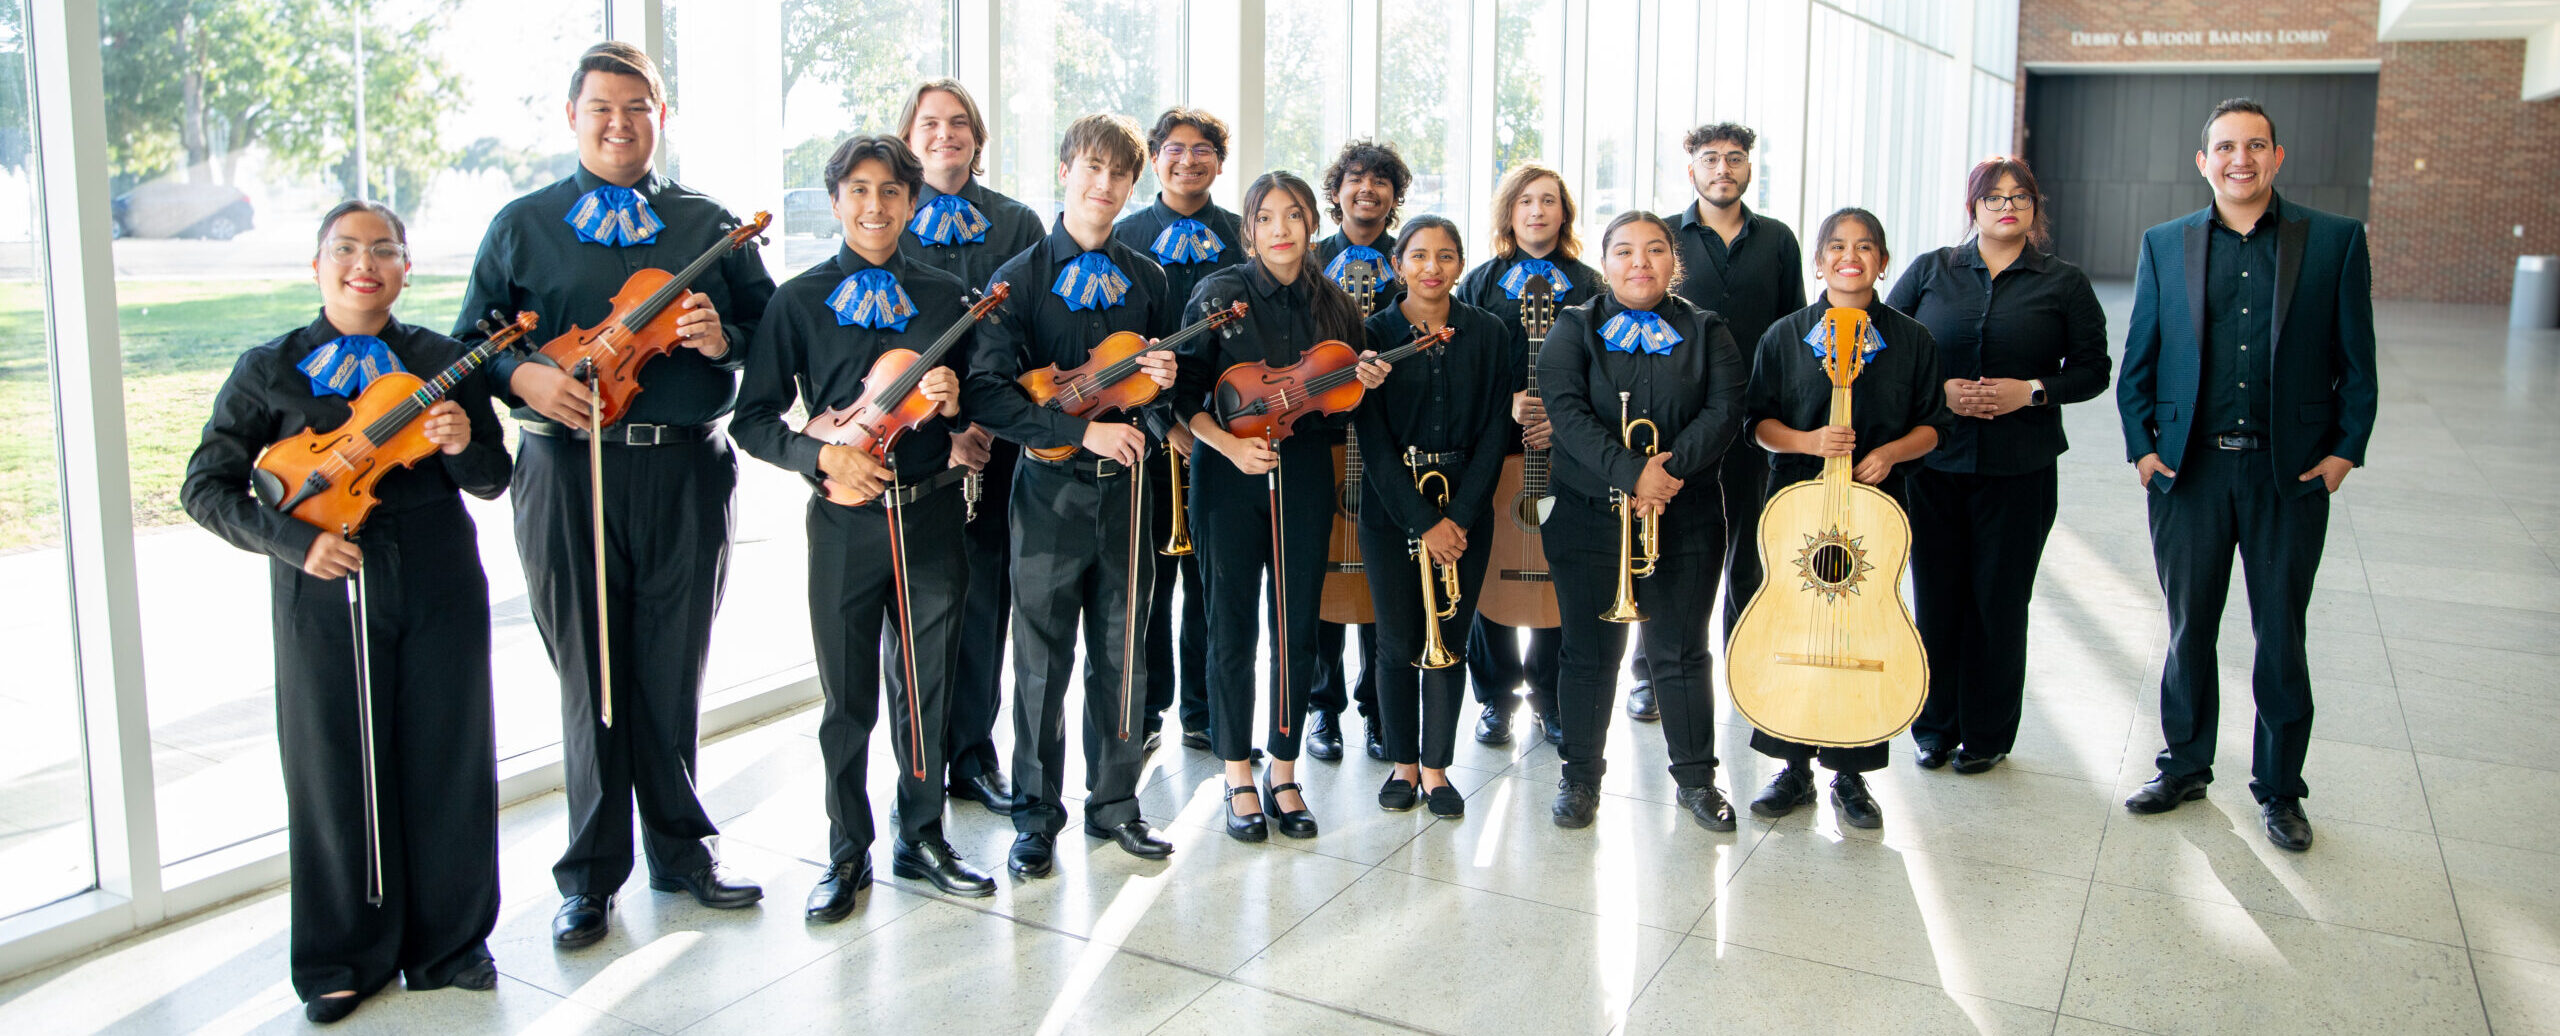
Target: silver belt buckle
x: 631, y: 434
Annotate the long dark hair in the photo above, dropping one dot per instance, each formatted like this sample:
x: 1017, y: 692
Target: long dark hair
x: 1337, y: 317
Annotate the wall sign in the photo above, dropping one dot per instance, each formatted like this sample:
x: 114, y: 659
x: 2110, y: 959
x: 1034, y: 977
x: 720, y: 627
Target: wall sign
x: 2136, y: 39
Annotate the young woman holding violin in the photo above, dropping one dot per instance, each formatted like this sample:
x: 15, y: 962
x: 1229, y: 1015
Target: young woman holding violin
x: 422, y: 904
x: 1638, y: 353
x: 1255, y: 507
x: 1435, y: 431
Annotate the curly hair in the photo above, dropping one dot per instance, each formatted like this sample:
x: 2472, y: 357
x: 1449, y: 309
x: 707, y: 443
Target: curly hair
x: 1366, y: 156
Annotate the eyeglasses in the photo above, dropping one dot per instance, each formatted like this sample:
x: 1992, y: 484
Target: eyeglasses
x: 344, y: 252
x: 2006, y: 202
x: 1203, y: 152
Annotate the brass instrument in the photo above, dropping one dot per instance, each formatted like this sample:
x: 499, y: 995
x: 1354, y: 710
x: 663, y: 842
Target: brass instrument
x: 1440, y: 594
x: 1177, y: 543
x: 1630, y: 568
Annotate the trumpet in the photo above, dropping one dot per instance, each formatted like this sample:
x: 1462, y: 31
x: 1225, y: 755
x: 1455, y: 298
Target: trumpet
x: 1634, y: 531
x: 1178, y: 542
x: 1439, y: 582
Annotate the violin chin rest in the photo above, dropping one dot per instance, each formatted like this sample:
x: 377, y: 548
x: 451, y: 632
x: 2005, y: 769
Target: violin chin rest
x: 269, y: 488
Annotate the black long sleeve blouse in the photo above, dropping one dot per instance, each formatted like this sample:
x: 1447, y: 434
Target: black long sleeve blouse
x: 1693, y: 395
x: 1896, y: 392
x: 1453, y: 399
x: 2037, y: 321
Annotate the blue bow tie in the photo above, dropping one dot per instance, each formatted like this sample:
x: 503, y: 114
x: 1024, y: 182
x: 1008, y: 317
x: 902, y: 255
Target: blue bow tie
x: 1340, y: 267
x: 347, y: 364
x: 1820, y: 339
x: 1091, y: 281
x: 873, y: 299
x: 1638, y: 330
x: 949, y: 219
x: 616, y: 216
x: 1188, y: 241
x: 1517, y: 280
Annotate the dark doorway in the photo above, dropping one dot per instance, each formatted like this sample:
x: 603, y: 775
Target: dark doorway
x: 2116, y: 153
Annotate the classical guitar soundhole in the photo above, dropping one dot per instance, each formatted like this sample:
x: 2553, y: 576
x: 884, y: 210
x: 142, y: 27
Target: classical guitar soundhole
x: 1833, y: 563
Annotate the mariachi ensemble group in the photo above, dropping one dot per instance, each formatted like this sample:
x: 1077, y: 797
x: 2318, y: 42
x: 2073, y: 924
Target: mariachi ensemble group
x: 1018, y: 441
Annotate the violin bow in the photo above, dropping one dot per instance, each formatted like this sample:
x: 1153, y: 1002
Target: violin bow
x: 595, y: 500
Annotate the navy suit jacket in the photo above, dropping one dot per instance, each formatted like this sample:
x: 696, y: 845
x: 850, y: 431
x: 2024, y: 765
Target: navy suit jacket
x: 2322, y: 401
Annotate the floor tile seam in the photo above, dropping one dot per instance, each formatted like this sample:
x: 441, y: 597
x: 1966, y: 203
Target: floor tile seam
x: 1939, y: 987
x: 1945, y: 854
x: 1186, y: 1005
x: 2080, y: 931
x: 1321, y: 1004
x: 2058, y: 1016
x: 1538, y: 902
x: 2470, y: 961
x: 777, y: 979
x: 2367, y: 929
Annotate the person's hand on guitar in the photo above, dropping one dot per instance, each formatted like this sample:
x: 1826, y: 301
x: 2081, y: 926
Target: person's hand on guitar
x: 332, y: 557
x: 1831, y: 440
x: 1875, y: 466
x: 1655, y: 486
x: 552, y: 393
x: 1531, y: 415
x: 1445, y: 542
x: 852, y: 471
x: 1118, y: 442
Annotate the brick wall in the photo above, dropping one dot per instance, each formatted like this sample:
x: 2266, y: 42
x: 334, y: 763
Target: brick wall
x: 2442, y: 233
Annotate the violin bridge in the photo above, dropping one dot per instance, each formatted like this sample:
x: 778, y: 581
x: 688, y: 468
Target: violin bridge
x: 1863, y: 665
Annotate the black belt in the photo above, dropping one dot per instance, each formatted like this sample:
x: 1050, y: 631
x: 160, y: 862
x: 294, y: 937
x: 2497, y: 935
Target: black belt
x: 2239, y: 441
x: 901, y: 496
x: 1414, y: 457
x: 1082, y: 464
x: 627, y: 434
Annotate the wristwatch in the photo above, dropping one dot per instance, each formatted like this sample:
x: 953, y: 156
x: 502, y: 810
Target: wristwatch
x: 2035, y: 395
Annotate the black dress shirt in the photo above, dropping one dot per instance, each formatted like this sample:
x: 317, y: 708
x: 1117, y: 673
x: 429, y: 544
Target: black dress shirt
x: 267, y: 398
x: 802, y: 354
x: 1336, y: 243
x: 1140, y: 229
x: 1453, y: 399
x: 531, y: 259
x: 1750, y: 282
x: 1035, y: 329
x: 1279, y: 324
x: 1011, y: 227
x: 1482, y: 288
x: 1896, y: 393
x: 2239, y: 314
x: 1692, y: 394
x: 2037, y: 321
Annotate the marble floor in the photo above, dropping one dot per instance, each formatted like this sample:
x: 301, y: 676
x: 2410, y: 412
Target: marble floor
x: 2025, y: 900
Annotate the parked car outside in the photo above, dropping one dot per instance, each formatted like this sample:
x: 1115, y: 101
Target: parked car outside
x: 172, y: 208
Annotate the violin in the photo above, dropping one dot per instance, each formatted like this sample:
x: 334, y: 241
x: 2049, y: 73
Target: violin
x: 890, y: 404
x: 641, y: 328
x: 333, y: 473
x: 1103, y: 383
x: 1259, y: 401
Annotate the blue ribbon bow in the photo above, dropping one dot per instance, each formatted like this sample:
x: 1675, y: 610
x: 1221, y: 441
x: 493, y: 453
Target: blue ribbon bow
x: 347, y: 364
x: 1091, y: 281
x: 1820, y: 339
x: 1188, y: 241
x: 616, y: 216
x: 872, y: 298
x: 1638, y: 330
x: 1517, y: 280
x: 949, y: 219
x: 1340, y: 268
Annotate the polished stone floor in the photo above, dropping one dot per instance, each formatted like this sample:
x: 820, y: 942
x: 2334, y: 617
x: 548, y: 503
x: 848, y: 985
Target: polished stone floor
x: 2021, y: 901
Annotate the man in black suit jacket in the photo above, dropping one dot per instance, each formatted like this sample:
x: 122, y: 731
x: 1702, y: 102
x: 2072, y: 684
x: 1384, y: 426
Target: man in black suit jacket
x: 2248, y: 394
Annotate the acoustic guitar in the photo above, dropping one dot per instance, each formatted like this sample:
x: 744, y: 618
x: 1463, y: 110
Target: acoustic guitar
x: 1346, y: 579
x: 1518, y: 591
x: 1826, y: 652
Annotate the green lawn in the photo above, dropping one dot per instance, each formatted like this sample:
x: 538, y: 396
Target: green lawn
x: 180, y: 339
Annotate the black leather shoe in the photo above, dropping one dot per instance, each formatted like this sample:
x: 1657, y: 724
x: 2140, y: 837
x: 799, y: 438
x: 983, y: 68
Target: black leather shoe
x: 480, y: 977
x: 1377, y: 749
x: 1967, y: 762
x: 1930, y: 758
x: 580, y: 922
x: 1575, y: 804
x: 1135, y: 838
x: 1857, y: 808
x: 1707, y: 806
x: 1155, y: 740
x: 1549, y: 729
x: 1640, y: 704
x: 1445, y: 802
x: 330, y: 1010
x: 1034, y: 855
x: 831, y: 899
x: 2286, y: 826
x: 2165, y: 792
x: 1324, y: 737
x: 986, y: 789
x: 1397, y: 795
x: 1195, y: 740
x: 936, y: 862
x: 1494, y: 727
x: 1296, y: 823
x: 1792, y: 787
x: 1250, y: 827
x: 710, y: 890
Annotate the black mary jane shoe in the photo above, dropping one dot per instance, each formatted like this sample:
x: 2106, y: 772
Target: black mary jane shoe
x: 1250, y: 827
x: 329, y: 1010
x: 1295, y: 823
x: 1930, y: 758
x: 1445, y: 802
x: 1397, y: 795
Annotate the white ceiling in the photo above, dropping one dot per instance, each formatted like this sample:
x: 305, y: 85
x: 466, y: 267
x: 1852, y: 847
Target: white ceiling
x: 2466, y: 19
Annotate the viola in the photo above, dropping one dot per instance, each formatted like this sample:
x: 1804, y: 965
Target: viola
x: 890, y: 404
x: 1105, y: 382
x: 641, y: 328
x: 333, y: 473
x: 1259, y: 401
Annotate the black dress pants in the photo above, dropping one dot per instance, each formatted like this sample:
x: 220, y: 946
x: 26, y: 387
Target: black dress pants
x: 2226, y: 500
x: 666, y: 559
x: 1862, y: 759
x: 1743, y: 477
x: 1417, y: 707
x: 1232, y: 516
x: 1581, y: 541
x: 1177, y: 660
x: 435, y: 759
x: 1328, y: 694
x: 976, y: 693
x: 859, y: 619
x: 1082, y: 550
x: 1497, y: 667
x: 1975, y: 544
